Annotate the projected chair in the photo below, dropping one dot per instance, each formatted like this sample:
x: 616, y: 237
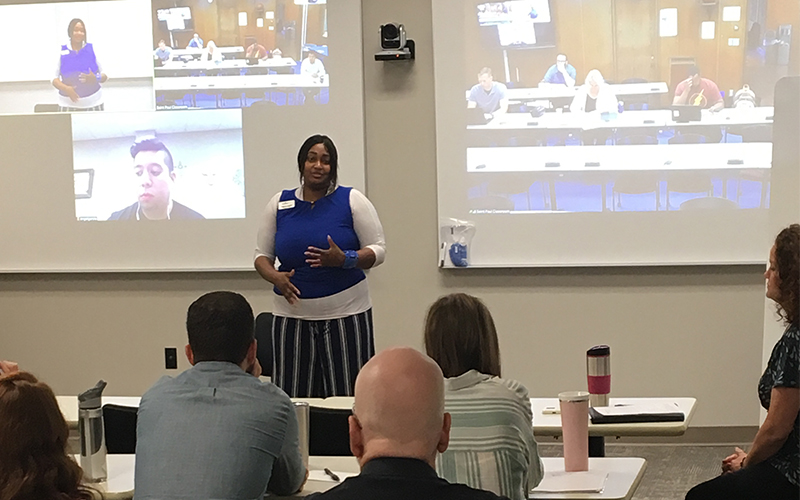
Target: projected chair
x: 709, y: 203
x: 263, y: 330
x: 328, y: 432
x: 174, y: 98
x: 691, y: 184
x: 688, y: 138
x: 491, y: 202
x: 634, y: 102
x: 119, y: 425
x: 516, y: 187
x: 231, y: 95
x: 752, y: 188
x: 636, y: 184
x: 630, y: 139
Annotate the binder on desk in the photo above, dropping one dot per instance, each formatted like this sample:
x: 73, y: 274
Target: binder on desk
x: 635, y: 413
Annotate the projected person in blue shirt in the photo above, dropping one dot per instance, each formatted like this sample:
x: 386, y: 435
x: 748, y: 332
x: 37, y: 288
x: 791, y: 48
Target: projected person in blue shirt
x: 195, y: 43
x: 154, y: 175
x: 79, y: 73
x: 488, y: 95
x: 163, y: 52
x: 561, y: 73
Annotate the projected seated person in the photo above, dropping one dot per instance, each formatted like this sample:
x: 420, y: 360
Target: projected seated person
x: 163, y: 52
x: 488, y: 95
x: 276, y: 53
x: 212, y: 53
x: 79, y: 73
x: 561, y: 73
x: 698, y: 91
x: 256, y: 51
x: 312, y: 67
x: 594, y: 95
x: 195, y: 43
x: 153, y: 170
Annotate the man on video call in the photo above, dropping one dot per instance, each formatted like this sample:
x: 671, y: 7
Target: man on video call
x: 153, y: 171
x: 561, y: 73
x: 697, y: 91
x: 488, y: 95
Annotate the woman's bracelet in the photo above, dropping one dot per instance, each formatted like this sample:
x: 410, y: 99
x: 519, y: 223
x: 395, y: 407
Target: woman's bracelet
x: 350, y: 259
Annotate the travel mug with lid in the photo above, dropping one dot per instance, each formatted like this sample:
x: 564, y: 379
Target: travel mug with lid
x: 598, y: 374
x: 93, y: 443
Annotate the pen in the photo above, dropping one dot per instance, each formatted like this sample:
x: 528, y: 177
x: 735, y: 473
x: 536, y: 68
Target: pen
x: 330, y: 474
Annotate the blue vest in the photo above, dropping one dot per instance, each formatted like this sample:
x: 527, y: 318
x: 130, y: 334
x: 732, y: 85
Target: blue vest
x: 309, y: 224
x: 73, y: 64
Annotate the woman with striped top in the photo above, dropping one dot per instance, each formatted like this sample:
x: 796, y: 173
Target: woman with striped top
x: 491, y: 438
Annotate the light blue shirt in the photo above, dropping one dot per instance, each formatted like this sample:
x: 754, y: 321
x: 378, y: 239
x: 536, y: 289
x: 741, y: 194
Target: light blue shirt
x: 216, y: 432
x: 553, y: 75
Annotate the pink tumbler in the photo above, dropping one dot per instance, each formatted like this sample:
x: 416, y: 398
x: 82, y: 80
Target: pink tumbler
x: 575, y: 427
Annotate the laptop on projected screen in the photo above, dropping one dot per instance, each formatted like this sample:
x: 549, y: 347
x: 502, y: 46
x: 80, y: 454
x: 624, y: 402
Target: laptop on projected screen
x: 682, y: 113
x: 476, y: 116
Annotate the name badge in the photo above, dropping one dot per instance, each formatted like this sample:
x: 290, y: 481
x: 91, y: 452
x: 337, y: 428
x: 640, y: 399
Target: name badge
x: 65, y: 52
x: 283, y: 205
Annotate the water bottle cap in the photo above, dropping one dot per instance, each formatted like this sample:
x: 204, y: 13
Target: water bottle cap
x: 92, y: 398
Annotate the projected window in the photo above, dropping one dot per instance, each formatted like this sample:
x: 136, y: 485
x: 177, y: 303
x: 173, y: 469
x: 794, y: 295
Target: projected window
x: 158, y: 166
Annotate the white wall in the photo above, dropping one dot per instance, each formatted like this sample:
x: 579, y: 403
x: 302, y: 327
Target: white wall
x: 694, y: 331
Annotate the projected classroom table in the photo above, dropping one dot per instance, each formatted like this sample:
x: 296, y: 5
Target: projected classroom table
x: 562, y: 91
x: 214, y: 85
x: 190, y: 68
x: 620, y: 126
x: 603, y: 164
x: 193, y: 52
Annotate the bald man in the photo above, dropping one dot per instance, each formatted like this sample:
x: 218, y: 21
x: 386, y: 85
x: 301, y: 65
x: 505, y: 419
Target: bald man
x: 397, y: 428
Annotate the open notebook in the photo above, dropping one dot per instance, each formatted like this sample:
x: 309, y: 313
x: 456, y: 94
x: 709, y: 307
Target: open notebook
x: 636, y: 412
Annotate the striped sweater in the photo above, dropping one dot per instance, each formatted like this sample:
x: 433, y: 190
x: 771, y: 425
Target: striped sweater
x: 491, y: 439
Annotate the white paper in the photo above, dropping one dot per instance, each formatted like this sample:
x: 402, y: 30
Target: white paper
x: 319, y: 475
x: 707, y: 29
x: 733, y: 42
x: 732, y: 13
x: 573, y: 482
x: 638, y: 409
x: 668, y: 22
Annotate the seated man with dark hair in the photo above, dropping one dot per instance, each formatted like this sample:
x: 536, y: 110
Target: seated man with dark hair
x: 153, y: 169
x: 698, y: 91
x: 216, y: 431
x: 397, y: 428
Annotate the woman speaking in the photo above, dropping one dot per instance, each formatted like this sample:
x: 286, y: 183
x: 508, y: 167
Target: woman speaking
x: 79, y: 74
x: 324, y: 236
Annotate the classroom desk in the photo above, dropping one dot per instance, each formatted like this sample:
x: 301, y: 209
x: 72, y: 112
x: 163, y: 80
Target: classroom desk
x: 637, y: 158
x: 624, y: 476
x: 233, y: 51
x: 119, y: 485
x: 215, y: 85
x: 563, y: 92
x: 69, y: 406
x: 521, y: 126
x: 180, y: 68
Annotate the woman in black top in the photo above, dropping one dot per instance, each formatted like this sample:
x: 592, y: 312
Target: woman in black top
x: 771, y: 470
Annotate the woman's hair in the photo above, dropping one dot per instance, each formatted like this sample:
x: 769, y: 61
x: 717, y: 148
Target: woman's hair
x: 72, y: 25
x: 787, y: 258
x: 34, y: 463
x: 594, y: 75
x: 326, y: 141
x: 460, y: 336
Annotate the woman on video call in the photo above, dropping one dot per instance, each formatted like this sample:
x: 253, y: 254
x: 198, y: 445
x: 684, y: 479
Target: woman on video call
x: 324, y: 236
x: 79, y: 75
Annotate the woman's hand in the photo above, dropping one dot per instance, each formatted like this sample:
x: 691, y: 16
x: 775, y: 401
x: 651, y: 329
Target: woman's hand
x: 284, y: 285
x: 332, y: 257
x: 87, y: 77
x: 733, y: 462
x: 72, y: 94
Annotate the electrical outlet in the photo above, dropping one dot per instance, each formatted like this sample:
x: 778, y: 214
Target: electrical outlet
x: 171, y: 358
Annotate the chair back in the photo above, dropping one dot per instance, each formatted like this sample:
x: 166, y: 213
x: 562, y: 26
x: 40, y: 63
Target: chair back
x: 329, y: 432
x: 263, y: 332
x: 119, y: 424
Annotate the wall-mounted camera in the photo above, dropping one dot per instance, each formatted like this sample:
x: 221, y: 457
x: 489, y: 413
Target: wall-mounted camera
x: 395, y: 45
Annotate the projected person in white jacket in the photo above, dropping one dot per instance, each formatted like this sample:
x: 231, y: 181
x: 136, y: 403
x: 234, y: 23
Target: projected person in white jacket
x: 154, y: 176
x: 593, y: 98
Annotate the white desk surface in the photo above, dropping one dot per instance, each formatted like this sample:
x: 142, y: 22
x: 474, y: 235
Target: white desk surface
x: 190, y: 83
x: 635, y: 158
x: 647, y: 118
x: 547, y: 91
x: 198, y: 52
x: 69, y: 406
x: 550, y: 425
x: 119, y: 484
x: 174, y: 65
x: 624, y: 476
